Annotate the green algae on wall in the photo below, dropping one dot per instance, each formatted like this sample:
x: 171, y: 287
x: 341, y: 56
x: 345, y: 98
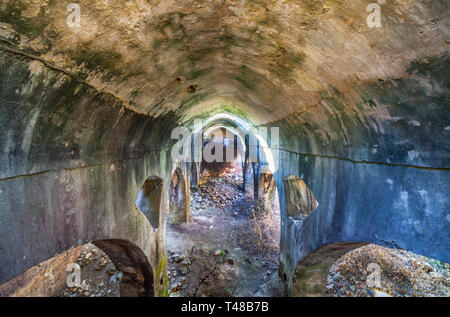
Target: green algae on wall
x: 161, y: 275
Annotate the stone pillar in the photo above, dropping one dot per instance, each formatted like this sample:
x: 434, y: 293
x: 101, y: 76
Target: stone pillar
x: 179, y: 198
x: 300, y: 201
x: 266, y: 186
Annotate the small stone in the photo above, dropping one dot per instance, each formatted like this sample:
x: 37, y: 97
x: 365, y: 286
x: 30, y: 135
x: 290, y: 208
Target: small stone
x: 184, y: 270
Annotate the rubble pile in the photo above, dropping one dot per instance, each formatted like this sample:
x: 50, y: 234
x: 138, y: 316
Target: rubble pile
x: 201, y: 272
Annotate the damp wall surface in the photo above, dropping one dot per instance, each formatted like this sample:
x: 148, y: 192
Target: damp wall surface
x: 387, y: 184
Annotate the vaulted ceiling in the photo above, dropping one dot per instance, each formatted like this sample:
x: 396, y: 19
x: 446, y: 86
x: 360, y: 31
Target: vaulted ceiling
x: 260, y: 59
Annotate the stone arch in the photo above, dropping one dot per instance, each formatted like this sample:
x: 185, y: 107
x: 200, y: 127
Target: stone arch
x: 149, y: 199
x: 178, y: 198
x: 50, y: 275
x: 300, y: 200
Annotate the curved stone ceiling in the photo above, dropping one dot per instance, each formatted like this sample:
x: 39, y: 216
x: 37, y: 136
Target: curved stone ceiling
x: 260, y: 59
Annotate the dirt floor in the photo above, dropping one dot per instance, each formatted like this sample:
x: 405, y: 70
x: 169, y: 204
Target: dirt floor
x: 222, y: 250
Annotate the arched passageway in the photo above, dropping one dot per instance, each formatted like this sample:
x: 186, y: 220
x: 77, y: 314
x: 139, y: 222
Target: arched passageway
x: 137, y: 279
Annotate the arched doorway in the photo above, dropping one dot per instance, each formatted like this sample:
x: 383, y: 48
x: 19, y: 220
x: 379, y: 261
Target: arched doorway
x: 137, y: 278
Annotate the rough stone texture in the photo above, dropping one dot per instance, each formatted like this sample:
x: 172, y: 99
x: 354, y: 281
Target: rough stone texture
x: 266, y: 191
x: 179, y: 198
x: 402, y: 273
x: 410, y: 213
x: 42, y: 280
x: 149, y: 199
x: 161, y: 56
x: 300, y: 201
x: 86, y: 116
x: 73, y: 161
x: 310, y: 276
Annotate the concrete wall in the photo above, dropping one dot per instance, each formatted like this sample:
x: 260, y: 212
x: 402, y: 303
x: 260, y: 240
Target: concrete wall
x: 72, y: 163
x: 386, y: 182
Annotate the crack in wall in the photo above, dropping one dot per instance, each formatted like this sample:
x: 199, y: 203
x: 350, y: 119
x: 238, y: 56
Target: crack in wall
x: 446, y: 169
x: 76, y: 167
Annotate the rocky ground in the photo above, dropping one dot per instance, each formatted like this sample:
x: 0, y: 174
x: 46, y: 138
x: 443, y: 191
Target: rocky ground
x: 99, y: 276
x: 402, y: 273
x: 215, y: 254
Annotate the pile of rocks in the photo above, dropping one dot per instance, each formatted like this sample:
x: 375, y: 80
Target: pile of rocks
x: 216, y: 193
x: 99, y: 277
